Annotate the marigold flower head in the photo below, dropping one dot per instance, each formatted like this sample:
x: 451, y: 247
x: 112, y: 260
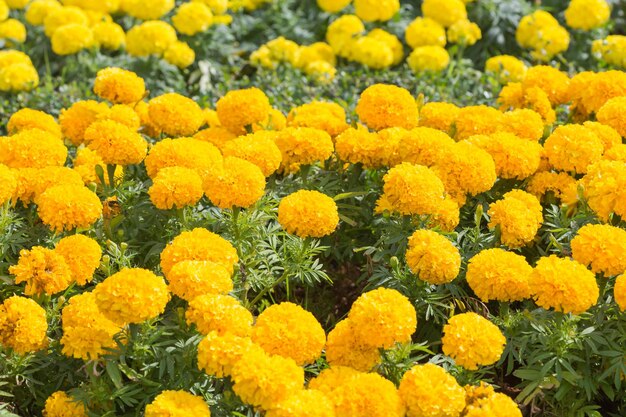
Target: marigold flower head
x: 176, y: 187
x: 85, y: 165
x: 612, y: 114
x: 561, y: 184
x: 619, y: 292
x: 308, y: 214
x: 563, y: 284
x: 587, y: 14
x: 477, y: 120
x: 446, y: 12
x: 175, y: 114
x: 541, y: 32
x: 440, y: 116
x: 413, y: 189
x: 131, y: 295
x: 59, y: 404
x: 304, y: 403
x: 602, y: 247
x: 604, y: 188
x: 180, y: 54
x: 423, y: 31
x: 495, y: 404
x: 368, y: 395
x: 8, y: 184
x: 191, y: 18
x: 190, y: 279
x: 518, y: 215
x: 464, y: 32
x: 372, y: 11
x: 240, y: 108
x: 447, y: 215
x: 344, y: 348
x: 109, y: 35
x: 189, y: 153
x: 432, y: 257
x: 573, y: 148
x: 66, y: 207
x: 218, y: 354
x: 82, y: 254
x: 71, y: 39
x: 506, y: 68
x: 78, y: 117
x: 123, y: 114
x: 63, y: 16
x: 554, y: 82
x: 18, y: 77
x: 264, y: 380
x: 333, y: 6
x: 119, y: 86
x: 326, y: 116
x: 177, y: 404
x: 598, y: 88
x: 381, y: 106
x: 147, y: 10
x: 514, y: 157
x: 610, y: 50
x: 32, y: 148
x: 87, y: 333
x: 219, y: 313
x: 429, y: 391
x: 39, y: 9
x: 32, y: 182
x: 258, y: 148
x: 26, y: 118
x: 216, y: 135
x: 303, y: 146
x: 524, y: 123
x: 150, y: 38
x: 116, y: 143
x: 23, y: 325
x: 609, y: 136
x: 238, y: 184
x: 361, y: 146
x: 341, y: 33
x: 472, y: 341
x: 496, y: 274
x: 428, y: 58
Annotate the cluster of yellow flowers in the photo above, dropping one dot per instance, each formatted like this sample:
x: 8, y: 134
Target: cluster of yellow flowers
x: 17, y: 72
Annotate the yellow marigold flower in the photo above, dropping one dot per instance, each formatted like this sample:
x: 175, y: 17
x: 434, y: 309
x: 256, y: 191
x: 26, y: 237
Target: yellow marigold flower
x: 180, y: 54
x: 318, y: 51
x: 612, y: 114
x: 381, y: 106
x: 604, y: 187
x: 619, y: 292
x: 66, y: 207
x: 391, y: 41
x: 175, y: 114
x: 238, y: 184
x: 432, y: 257
x: 514, y: 157
x: 258, y: 148
x: 564, y: 285
x: 333, y: 6
x: 32, y: 182
x: 304, y: 403
x: 598, y: 88
x: 23, y: 325
x: 303, y: 145
x: 524, y: 123
x: 342, y: 31
x: 176, y: 187
x: 147, y: 10
x: 59, y: 404
x: 87, y: 333
x: 372, y: 11
x: 18, y: 77
x: 123, y: 114
x: 609, y: 136
x: 32, y: 148
x: 26, y: 118
x: 610, y: 50
x: 391, y: 138
x: 177, y: 403
x: 183, y: 152
x: 383, y: 317
x: 587, y: 14
x: 534, y: 98
x: 440, y: 116
x: 529, y: 29
x: 8, y: 184
x: 219, y: 313
x: 361, y: 146
x: 43, y: 270
x: 216, y: 135
x: 308, y: 214
x: 467, y: 169
x: 446, y: 12
x: 190, y: 279
x: 119, y: 86
x: 554, y: 82
x: 601, y: 247
x: 276, y: 120
x: 447, y: 215
x: 472, y: 341
x: 616, y: 153
x: 241, y: 108
x: 413, y: 189
x: 12, y: 31
x: 495, y: 404
x: 552, y: 40
x: 477, y: 120
x: 191, y: 18
x: 85, y: 165
x: 326, y: 116
x: 150, y: 38
x: 429, y: 391
x: 368, y: 395
x: 132, y: 295
x: 464, y: 32
x: 264, y: 380
x: 218, y: 354
x: 283, y: 50
x: 518, y: 215
x: 39, y: 9
x: 71, y: 39
x: 109, y: 35
x: 116, y: 143
x: 345, y: 349
x: 423, y: 31
x: 288, y: 330
x: 106, y: 6
x: 573, y: 148
x: 506, y: 68
x: 561, y: 184
x: 332, y: 378
x: 428, y: 58
x: 82, y: 254
x: 198, y: 245
x: 4, y: 10
x: 78, y: 117
x: 65, y: 15
x: 496, y: 274
x: 217, y: 6
x: 322, y: 71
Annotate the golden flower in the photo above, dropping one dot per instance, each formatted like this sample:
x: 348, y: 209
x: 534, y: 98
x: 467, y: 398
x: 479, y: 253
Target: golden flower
x: 132, y: 295
x: 327, y: 116
x: 609, y: 136
x: 391, y: 138
x: 432, y: 257
x: 464, y: 32
x: 258, y: 148
x: 612, y: 114
x: 147, y: 9
x: 109, y: 35
x: 601, y: 247
x: 191, y: 18
x: 176, y: 187
x: 23, y: 325
x: 610, y: 50
x: 123, y: 114
x: 43, y: 270
x: 514, y: 157
x: 424, y: 146
x: 561, y: 184
x: 472, y: 341
x: 85, y: 165
x: 62, y: 16
x: 368, y: 395
x: 276, y: 120
x: 32, y: 148
x: 71, y: 39
x: 303, y: 146
x: 106, y: 6
x: 219, y: 313
x: 116, y: 143
x: 183, y: 152
x: 496, y: 274
x: 26, y: 118
x: 59, y: 404
x: 599, y: 88
x: 176, y: 115
x: 66, y: 207
x: 332, y: 378
x: 619, y: 292
x: 372, y: 10
x: 506, y: 68
x: 150, y: 38
x: 440, y: 116
x: 304, y: 403
x: 341, y: 33
x: 541, y: 31
x: 587, y: 14
x: 518, y: 215
x: 78, y: 117
x: 604, y: 188
x: 382, y: 318
x: 423, y: 31
x: 308, y: 214
x: 492, y: 404
x: 429, y: 391
x: 264, y: 380
x: 381, y: 106
x: 391, y: 41
x: 288, y: 330
x: 8, y: 184
x: 573, y: 148
x: 190, y: 279
x: 119, y: 86
x: 283, y: 50
x: 4, y: 10
x: 82, y: 254
x: 39, y: 9
x: 554, y: 82
x: 218, y: 354
x: 241, y: 108
x: 447, y: 215
x: 446, y: 12
x: 180, y: 54
x: 87, y: 333
x: 238, y: 184
x: 18, y: 77
x: 428, y: 58
x: 13, y: 57
x: 12, y: 31
x: 32, y: 182
x: 198, y: 245
x: 615, y: 153
x: 216, y: 135
x: 524, y: 123
x: 345, y: 349
x: 177, y: 403
x: 361, y: 146
x: 413, y: 189
x: 564, y: 285
x: 477, y: 120
x: 333, y: 6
